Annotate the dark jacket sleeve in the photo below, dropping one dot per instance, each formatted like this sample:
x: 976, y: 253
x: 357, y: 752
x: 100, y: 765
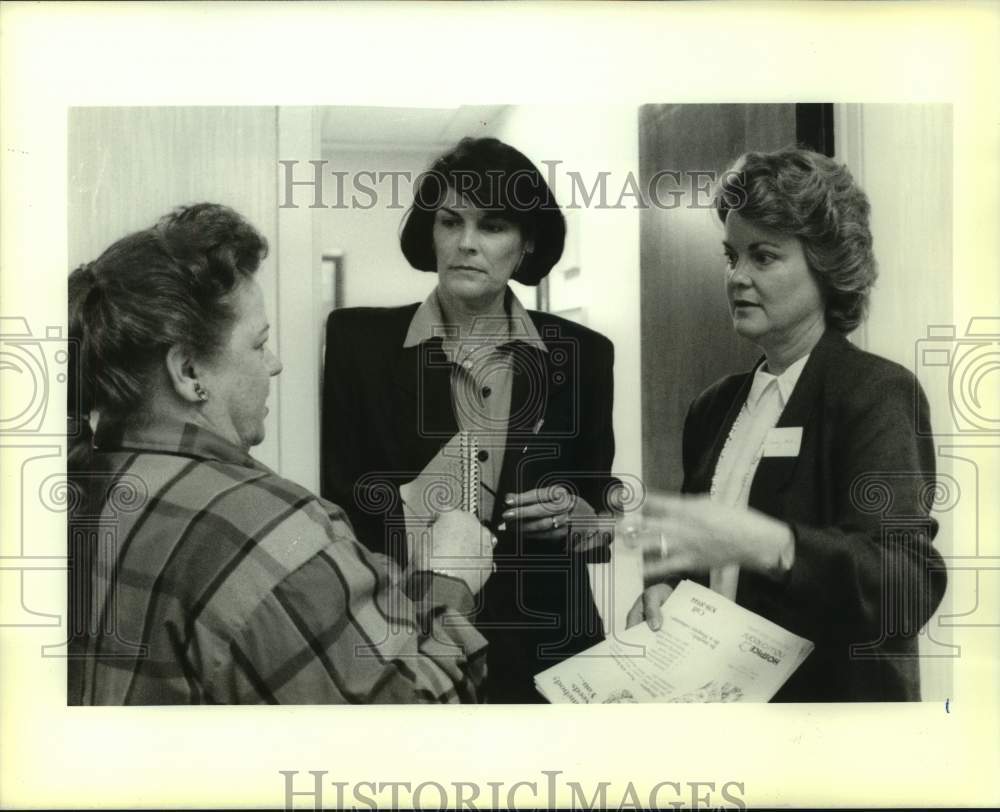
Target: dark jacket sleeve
x: 594, y: 450
x: 341, y: 435
x: 596, y: 445
x: 865, y: 577
x: 872, y: 571
x: 347, y: 437
x: 858, y: 504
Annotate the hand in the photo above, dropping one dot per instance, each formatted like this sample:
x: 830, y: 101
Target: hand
x: 647, y: 606
x: 550, y: 514
x: 700, y: 534
x: 458, y: 546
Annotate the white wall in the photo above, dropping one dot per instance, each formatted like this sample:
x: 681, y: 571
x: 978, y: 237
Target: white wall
x: 901, y: 154
x: 375, y: 271
x: 296, y: 255
x: 603, y: 241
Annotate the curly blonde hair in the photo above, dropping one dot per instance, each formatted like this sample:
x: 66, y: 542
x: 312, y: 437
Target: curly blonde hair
x: 810, y: 196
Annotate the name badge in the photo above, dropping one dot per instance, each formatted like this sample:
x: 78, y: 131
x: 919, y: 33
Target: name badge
x: 783, y: 442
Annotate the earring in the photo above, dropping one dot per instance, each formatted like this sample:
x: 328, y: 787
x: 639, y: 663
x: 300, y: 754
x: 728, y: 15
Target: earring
x: 199, y: 390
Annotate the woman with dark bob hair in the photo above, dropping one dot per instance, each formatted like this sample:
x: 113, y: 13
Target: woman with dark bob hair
x: 469, y: 396
x: 814, y: 472
x: 198, y: 574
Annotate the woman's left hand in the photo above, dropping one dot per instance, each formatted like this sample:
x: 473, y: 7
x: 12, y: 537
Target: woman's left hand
x: 699, y: 534
x: 550, y: 513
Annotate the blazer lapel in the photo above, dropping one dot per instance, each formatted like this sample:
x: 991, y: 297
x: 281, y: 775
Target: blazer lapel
x: 421, y: 411
x: 701, y: 475
x: 531, y: 390
x: 528, y: 407
x: 542, y: 408
x: 773, y: 473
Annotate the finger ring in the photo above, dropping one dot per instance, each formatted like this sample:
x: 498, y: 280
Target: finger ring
x: 555, y: 522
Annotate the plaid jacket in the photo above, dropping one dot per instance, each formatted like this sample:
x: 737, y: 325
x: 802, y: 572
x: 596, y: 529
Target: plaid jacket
x: 202, y: 576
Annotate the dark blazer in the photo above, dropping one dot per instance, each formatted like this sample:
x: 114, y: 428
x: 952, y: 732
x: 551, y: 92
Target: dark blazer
x: 388, y: 410
x: 865, y: 578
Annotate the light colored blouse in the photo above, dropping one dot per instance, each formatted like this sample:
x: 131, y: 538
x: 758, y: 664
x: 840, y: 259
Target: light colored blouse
x: 737, y: 465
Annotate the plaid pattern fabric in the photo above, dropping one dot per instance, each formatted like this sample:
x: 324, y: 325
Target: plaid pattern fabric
x: 223, y: 583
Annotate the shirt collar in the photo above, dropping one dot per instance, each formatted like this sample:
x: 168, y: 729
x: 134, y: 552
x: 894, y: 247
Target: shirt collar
x: 429, y: 322
x: 172, y: 437
x: 785, y: 381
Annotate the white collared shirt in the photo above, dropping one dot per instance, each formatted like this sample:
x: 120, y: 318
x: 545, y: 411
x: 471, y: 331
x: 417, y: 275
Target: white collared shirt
x: 737, y: 464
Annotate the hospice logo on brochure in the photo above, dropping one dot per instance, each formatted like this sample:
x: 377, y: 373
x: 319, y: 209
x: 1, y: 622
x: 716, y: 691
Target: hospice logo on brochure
x: 766, y: 651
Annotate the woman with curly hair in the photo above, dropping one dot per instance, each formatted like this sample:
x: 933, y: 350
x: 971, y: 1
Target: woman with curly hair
x: 198, y: 575
x: 781, y: 462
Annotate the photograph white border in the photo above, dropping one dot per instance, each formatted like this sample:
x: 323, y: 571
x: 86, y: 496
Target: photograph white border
x: 55, y: 56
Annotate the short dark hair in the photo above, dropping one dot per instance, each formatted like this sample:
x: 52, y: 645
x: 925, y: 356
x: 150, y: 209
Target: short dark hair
x: 492, y: 175
x: 810, y: 196
x: 168, y: 284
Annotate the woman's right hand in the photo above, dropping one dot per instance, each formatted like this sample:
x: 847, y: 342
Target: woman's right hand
x: 647, y: 606
x: 461, y: 548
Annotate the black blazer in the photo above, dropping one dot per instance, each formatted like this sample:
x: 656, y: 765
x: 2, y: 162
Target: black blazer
x: 388, y: 410
x: 866, y: 578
